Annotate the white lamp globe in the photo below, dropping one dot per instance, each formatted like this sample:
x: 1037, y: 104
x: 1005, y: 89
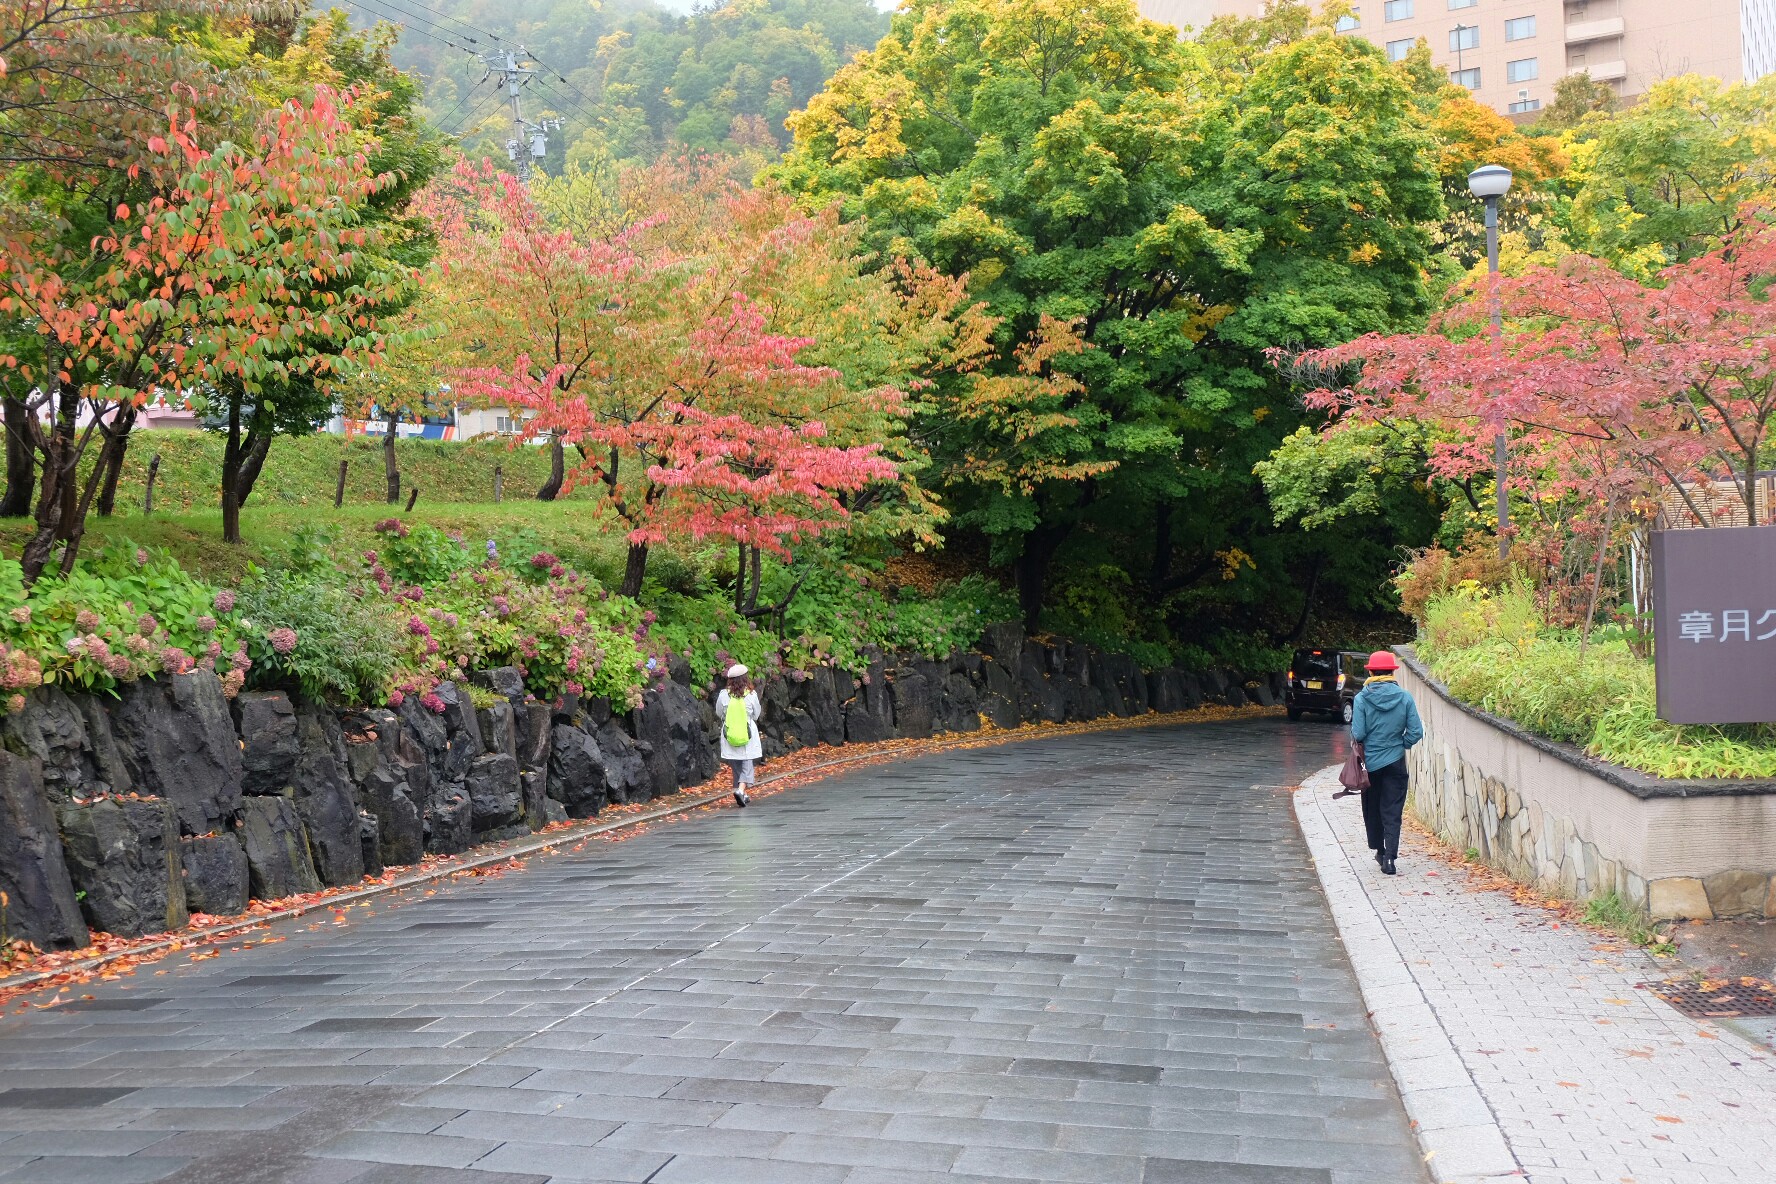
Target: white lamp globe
x: 1489, y: 180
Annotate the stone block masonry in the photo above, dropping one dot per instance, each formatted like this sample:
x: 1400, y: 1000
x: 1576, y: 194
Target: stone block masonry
x: 125, y: 815
x: 1548, y: 815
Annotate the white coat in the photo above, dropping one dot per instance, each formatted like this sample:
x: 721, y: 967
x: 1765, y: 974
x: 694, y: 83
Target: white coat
x: 754, y: 748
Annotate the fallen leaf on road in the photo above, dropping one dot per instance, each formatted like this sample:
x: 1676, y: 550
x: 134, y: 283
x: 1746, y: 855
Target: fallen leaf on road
x: 1667, y: 1118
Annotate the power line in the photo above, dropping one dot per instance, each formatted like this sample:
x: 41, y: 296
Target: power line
x: 480, y: 112
x: 468, y: 92
x: 565, y: 102
x: 402, y: 20
x: 476, y: 29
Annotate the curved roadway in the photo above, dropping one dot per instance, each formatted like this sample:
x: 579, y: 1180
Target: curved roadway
x: 1098, y: 958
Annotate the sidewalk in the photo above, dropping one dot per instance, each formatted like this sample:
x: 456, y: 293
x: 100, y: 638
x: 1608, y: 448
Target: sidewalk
x: 1522, y: 1048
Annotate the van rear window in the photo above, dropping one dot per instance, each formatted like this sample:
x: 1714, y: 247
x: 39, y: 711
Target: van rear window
x: 1308, y: 664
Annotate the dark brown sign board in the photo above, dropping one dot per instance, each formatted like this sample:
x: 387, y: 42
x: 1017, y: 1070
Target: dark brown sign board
x: 1714, y: 624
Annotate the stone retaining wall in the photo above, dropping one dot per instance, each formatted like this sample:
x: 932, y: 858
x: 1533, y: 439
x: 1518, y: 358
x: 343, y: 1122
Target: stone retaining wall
x: 1547, y: 814
x: 127, y: 814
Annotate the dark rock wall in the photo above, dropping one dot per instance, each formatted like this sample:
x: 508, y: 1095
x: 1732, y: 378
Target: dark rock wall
x: 126, y: 814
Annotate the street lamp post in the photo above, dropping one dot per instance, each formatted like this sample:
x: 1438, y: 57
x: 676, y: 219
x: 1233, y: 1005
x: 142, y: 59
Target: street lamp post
x: 1490, y: 182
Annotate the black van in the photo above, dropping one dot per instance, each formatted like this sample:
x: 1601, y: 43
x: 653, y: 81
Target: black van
x: 1325, y: 681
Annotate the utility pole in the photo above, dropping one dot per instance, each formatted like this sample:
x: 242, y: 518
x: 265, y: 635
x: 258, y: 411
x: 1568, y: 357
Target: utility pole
x: 529, y: 141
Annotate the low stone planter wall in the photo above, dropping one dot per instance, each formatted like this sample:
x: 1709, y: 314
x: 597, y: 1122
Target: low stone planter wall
x: 128, y: 813
x: 1547, y: 814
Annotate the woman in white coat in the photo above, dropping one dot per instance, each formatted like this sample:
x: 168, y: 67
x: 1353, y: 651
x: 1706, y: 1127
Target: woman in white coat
x: 737, y: 714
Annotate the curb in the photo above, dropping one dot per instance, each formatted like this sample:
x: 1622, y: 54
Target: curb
x: 518, y: 848
x: 1462, y: 1140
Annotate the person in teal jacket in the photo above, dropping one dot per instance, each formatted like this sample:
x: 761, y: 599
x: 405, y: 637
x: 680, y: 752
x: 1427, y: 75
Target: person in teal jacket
x: 1384, y: 724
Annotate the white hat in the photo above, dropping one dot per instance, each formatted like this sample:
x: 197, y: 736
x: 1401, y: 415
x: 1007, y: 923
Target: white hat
x: 737, y: 671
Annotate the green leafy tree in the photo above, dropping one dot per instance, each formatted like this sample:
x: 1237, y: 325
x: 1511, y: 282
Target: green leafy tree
x: 1083, y: 165
x: 1668, y: 179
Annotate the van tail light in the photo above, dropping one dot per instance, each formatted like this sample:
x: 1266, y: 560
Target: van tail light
x: 1341, y: 680
x: 1290, y: 676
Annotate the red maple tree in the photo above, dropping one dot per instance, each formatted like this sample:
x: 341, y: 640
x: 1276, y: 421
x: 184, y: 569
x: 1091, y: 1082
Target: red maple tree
x: 1606, y: 387
x: 651, y: 348
x: 223, y: 279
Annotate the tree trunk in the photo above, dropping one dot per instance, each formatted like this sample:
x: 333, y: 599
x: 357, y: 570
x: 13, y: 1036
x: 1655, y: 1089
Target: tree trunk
x: 111, y: 459
x: 634, y: 570
x: 1161, y: 567
x: 258, y: 446
x: 557, y: 471
x: 21, y: 459
x: 740, y: 581
x: 1307, y: 598
x: 1040, y: 546
x: 59, y: 456
x: 231, y: 471
x: 389, y: 466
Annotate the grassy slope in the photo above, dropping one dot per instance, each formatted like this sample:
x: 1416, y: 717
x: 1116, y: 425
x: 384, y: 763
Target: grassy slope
x: 304, y: 471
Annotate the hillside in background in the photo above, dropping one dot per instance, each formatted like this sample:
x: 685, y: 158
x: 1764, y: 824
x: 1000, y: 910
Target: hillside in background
x: 628, y: 78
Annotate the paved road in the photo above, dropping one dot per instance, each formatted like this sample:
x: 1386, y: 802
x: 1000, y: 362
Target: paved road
x: 1098, y: 958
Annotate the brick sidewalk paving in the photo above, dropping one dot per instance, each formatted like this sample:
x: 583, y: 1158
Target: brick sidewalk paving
x: 1497, y: 1021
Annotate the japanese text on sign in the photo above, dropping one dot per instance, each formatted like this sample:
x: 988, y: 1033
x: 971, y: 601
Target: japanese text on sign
x: 1735, y: 625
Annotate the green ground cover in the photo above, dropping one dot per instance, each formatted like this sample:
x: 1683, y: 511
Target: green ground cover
x: 1493, y: 649
x: 304, y: 470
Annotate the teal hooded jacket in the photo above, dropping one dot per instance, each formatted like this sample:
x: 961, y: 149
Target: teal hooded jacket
x: 1384, y: 720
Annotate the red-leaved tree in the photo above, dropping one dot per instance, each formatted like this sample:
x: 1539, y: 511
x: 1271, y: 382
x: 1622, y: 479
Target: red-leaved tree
x: 655, y: 348
x: 219, y: 281
x: 1607, y: 388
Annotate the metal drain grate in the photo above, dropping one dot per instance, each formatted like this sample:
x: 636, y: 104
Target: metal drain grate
x: 1717, y: 998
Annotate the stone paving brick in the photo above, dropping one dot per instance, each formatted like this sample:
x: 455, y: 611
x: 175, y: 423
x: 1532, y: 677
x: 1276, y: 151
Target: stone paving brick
x: 1527, y: 1047
x: 1091, y: 958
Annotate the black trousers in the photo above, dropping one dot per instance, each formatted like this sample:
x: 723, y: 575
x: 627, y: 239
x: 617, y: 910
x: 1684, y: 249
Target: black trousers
x: 1383, y: 804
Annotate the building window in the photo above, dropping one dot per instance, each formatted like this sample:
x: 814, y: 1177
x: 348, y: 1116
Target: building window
x: 1520, y: 28
x: 1464, y: 37
x: 1347, y: 23
x: 1455, y: 4
x: 1521, y: 106
x: 507, y: 425
x: 1397, y: 10
x: 1397, y: 50
x: 1469, y: 78
x: 1522, y: 70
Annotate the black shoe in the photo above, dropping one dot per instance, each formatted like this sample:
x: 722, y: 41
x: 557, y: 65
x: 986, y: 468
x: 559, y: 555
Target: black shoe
x: 1379, y: 857
x: 1387, y: 867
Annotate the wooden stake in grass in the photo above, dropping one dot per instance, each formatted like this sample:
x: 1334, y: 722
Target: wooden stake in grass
x: 412, y: 497
x: 499, y: 483
x: 148, y: 494
x: 339, y: 490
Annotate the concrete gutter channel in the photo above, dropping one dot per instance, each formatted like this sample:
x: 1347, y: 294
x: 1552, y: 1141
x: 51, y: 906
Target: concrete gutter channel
x: 497, y: 853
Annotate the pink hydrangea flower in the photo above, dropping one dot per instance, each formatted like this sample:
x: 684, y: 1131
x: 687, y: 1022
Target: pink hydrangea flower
x: 206, y: 624
x: 146, y: 624
x: 282, y: 639
x: 141, y: 557
x: 418, y: 627
x: 432, y: 703
x: 225, y: 601
x: 22, y: 614
x: 15, y: 704
x: 85, y: 621
x: 232, y: 682
x: 396, y: 698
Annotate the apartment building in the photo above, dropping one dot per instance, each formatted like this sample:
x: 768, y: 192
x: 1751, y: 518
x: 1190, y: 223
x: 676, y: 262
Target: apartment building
x: 1511, y: 53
